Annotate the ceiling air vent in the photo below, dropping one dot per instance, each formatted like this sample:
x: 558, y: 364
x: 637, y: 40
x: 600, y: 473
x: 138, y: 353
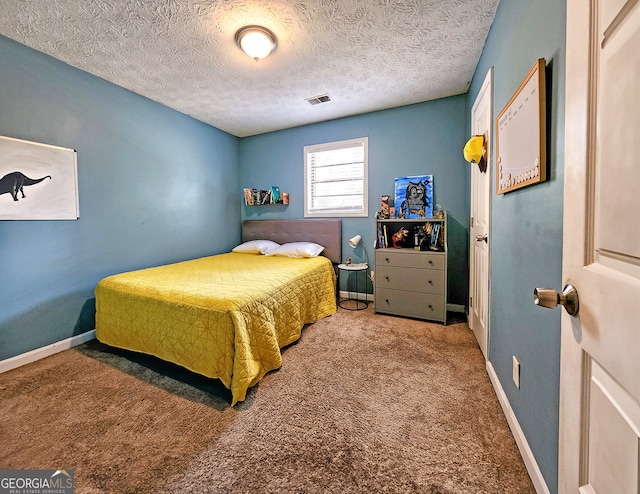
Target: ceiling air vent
x: 316, y: 100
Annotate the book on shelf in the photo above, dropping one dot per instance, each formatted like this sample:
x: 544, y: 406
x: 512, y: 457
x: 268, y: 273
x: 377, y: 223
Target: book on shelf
x: 265, y: 196
x: 275, y: 195
x: 248, y: 196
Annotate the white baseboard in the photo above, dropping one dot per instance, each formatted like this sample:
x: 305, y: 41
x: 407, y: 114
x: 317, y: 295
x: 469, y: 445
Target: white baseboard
x: 45, y: 351
x: 457, y: 308
x: 527, y: 455
x: 344, y: 294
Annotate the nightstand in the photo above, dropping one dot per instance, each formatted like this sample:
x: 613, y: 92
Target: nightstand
x: 356, y: 303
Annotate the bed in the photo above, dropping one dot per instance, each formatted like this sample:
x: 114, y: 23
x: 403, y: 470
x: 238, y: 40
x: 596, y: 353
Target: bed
x: 225, y: 316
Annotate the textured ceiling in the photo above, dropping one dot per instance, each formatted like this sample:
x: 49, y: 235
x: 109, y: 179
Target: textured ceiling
x: 366, y: 54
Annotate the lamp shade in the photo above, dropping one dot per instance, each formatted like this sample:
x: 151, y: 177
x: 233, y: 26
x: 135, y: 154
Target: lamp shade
x: 256, y: 41
x: 353, y: 242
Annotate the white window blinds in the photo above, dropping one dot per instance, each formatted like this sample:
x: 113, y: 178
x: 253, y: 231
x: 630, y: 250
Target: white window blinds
x: 336, y: 178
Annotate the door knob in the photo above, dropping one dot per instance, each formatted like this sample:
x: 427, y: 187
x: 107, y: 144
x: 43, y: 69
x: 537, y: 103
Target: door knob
x: 548, y: 297
x: 481, y: 238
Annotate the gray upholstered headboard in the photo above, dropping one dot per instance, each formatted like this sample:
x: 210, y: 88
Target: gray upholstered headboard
x: 326, y: 232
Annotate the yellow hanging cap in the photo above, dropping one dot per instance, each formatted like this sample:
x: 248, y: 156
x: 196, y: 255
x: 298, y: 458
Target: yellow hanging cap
x: 474, y: 149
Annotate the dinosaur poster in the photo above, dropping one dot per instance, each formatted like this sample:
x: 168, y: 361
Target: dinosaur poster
x: 37, y: 181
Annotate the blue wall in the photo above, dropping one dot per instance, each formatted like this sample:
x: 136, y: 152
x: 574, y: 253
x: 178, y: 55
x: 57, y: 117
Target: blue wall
x: 526, y: 234
x: 420, y: 139
x: 155, y: 186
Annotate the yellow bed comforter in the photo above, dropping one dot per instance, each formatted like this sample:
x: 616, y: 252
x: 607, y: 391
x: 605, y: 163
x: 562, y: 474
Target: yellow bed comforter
x: 224, y: 316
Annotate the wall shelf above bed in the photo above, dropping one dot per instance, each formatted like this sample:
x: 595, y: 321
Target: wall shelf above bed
x: 265, y: 197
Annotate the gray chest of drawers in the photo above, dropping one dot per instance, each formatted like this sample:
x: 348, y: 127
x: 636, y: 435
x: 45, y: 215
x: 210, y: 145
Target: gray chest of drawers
x: 411, y: 283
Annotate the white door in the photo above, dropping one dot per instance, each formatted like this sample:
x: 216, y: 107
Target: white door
x: 600, y: 357
x: 481, y: 119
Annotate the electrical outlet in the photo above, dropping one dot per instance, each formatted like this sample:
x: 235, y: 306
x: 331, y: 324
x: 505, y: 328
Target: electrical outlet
x: 516, y: 372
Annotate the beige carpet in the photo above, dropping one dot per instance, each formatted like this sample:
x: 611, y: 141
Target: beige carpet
x: 362, y: 403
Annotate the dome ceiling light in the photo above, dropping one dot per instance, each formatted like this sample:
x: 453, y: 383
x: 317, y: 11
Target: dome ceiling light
x: 256, y: 41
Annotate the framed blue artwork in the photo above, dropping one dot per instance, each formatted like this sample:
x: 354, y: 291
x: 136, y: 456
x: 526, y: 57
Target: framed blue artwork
x: 414, y: 196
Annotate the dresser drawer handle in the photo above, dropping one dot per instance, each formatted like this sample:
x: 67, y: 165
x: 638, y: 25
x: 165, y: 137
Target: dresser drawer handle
x: 387, y: 301
x: 430, y: 306
x: 386, y: 278
x: 387, y: 259
x: 430, y: 282
x: 430, y: 262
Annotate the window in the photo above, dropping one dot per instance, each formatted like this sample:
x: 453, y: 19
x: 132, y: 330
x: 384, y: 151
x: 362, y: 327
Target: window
x: 335, y: 176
